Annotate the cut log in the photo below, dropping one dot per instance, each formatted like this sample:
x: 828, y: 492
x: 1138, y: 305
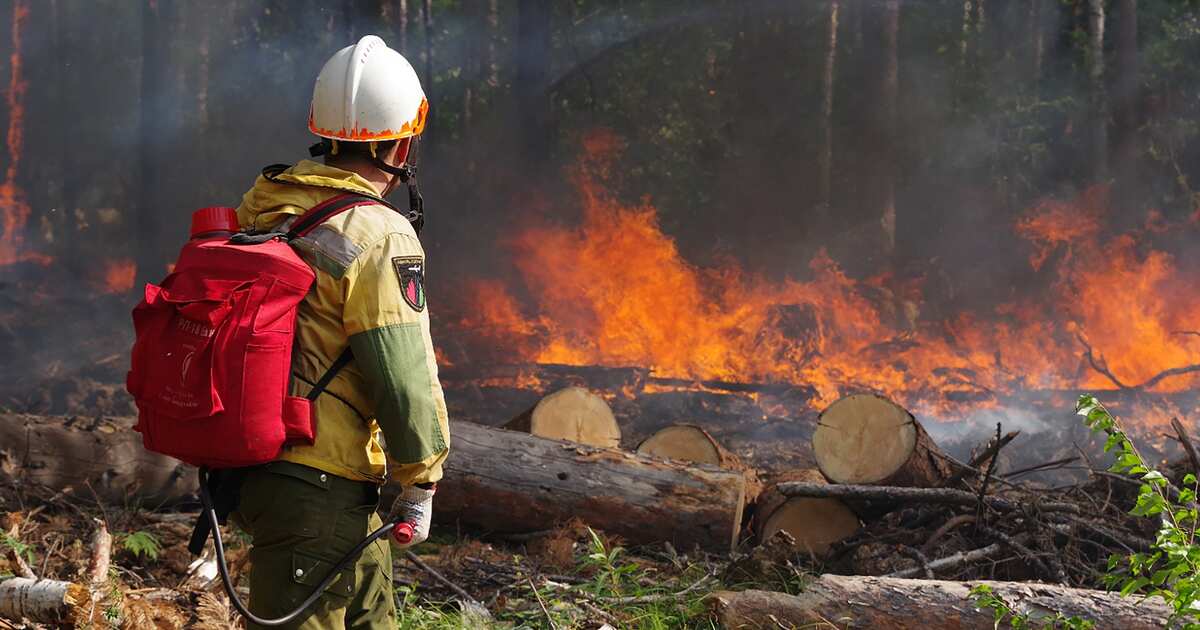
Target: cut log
x: 45, y: 601
x: 573, y: 414
x: 813, y: 523
x: 688, y: 443
x: 510, y: 482
x: 105, y: 454
x: 866, y: 439
x: 874, y: 602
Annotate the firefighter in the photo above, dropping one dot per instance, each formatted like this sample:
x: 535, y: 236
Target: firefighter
x: 316, y: 502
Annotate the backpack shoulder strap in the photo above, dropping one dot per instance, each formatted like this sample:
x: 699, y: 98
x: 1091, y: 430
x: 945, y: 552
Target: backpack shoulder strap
x: 326, y: 210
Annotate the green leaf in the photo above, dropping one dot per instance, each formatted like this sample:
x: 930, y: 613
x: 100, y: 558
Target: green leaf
x: 1133, y: 585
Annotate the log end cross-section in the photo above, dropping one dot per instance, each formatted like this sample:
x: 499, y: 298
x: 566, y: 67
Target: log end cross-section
x: 573, y: 413
x: 867, y: 439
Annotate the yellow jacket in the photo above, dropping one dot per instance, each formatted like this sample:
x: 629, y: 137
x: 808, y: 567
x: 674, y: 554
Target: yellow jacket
x: 369, y: 295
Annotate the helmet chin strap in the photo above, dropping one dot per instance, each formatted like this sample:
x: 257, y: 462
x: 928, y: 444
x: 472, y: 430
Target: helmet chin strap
x: 405, y: 174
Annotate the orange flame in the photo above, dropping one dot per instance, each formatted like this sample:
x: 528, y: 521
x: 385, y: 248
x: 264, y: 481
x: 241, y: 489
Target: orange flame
x: 14, y: 210
x: 119, y: 275
x: 616, y: 291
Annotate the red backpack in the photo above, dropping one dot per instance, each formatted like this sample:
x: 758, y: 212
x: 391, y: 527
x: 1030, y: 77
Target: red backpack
x: 213, y: 347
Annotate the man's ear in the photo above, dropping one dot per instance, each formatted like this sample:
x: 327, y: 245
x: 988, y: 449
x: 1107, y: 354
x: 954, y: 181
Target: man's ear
x: 399, y: 152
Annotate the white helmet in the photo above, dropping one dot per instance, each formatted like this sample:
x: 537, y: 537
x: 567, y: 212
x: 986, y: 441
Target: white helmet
x: 367, y: 92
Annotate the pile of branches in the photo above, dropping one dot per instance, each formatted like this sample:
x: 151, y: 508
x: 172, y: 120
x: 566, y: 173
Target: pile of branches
x: 980, y: 525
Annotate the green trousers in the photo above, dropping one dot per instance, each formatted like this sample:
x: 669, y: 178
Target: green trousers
x: 302, y: 522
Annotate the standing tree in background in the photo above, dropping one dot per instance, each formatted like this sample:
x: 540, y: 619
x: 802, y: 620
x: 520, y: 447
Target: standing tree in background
x: 533, y: 57
x: 827, y: 83
x: 1098, y: 122
x: 1125, y: 100
x: 887, y: 104
x: 1037, y: 41
x: 157, y: 22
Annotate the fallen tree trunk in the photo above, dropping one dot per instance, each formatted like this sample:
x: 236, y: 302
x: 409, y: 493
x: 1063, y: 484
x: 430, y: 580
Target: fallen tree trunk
x: 944, y: 496
x: 573, y: 414
x: 45, y: 601
x: 866, y: 439
x: 875, y: 602
x: 814, y: 523
x: 103, y: 454
x: 510, y: 482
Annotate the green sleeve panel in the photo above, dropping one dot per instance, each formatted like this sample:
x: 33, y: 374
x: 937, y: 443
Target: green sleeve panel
x: 393, y: 360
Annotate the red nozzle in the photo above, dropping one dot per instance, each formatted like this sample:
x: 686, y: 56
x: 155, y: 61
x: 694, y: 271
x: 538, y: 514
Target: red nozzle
x: 403, y: 533
x: 214, y: 219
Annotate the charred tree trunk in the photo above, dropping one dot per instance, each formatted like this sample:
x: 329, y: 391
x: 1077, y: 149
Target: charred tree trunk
x: 827, y: 83
x: 510, y: 482
x: 533, y: 57
x: 874, y: 602
x: 866, y: 439
x: 1099, y: 110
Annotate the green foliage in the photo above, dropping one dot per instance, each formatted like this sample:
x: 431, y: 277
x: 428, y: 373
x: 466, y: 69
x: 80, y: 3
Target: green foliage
x: 1003, y: 614
x: 21, y: 548
x: 1171, y: 570
x: 140, y: 544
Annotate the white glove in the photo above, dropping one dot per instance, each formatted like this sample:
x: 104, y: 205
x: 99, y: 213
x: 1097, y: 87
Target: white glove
x: 415, y: 507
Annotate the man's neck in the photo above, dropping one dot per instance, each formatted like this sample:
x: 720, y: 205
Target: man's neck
x: 378, y: 179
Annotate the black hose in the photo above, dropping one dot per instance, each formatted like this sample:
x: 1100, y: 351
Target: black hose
x: 206, y: 502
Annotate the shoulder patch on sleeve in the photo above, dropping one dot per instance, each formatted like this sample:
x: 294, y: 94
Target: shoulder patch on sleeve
x: 410, y: 270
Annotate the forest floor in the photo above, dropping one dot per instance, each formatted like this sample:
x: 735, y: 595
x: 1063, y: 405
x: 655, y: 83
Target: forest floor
x: 571, y: 577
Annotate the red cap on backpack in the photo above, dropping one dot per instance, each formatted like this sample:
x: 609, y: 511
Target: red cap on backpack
x: 214, y: 219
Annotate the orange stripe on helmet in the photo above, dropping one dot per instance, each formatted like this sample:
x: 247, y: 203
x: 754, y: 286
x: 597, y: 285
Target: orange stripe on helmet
x: 411, y: 128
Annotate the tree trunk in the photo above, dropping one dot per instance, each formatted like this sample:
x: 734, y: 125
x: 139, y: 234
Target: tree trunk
x: 574, y: 414
x: 402, y: 19
x: 155, y: 115
x: 1099, y: 113
x: 427, y: 78
x: 867, y: 439
x: 813, y: 523
x: 493, y: 38
x: 1037, y: 43
x: 1125, y: 102
x: 891, y: 77
x: 533, y: 58
x: 876, y: 602
x: 827, y: 85
x: 104, y: 456
x: 504, y: 481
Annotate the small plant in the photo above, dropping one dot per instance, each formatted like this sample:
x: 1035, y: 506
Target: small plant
x: 140, y: 543
x: 1171, y: 570
x: 611, y: 577
x: 1003, y: 614
x: 17, y: 546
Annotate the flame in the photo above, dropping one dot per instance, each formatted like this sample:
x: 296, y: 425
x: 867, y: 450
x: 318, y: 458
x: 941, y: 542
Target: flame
x: 14, y: 209
x: 616, y: 291
x: 119, y: 275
